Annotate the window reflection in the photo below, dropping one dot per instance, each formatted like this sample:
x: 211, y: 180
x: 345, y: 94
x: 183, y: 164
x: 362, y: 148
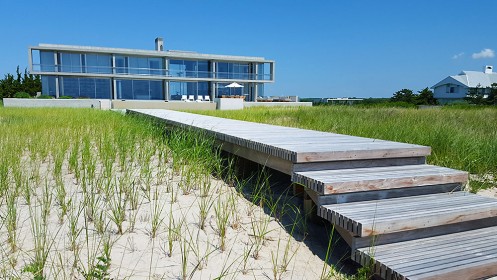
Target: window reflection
x: 140, y: 89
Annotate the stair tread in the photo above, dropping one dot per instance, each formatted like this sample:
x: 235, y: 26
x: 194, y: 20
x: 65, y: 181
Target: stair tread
x: 373, y: 217
x: 378, y: 178
x: 463, y: 255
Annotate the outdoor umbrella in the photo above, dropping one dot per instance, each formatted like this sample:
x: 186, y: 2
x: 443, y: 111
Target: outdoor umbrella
x: 234, y: 85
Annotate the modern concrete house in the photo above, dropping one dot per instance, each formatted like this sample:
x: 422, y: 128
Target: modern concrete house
x: 455, y: 88
x: 127, y: 74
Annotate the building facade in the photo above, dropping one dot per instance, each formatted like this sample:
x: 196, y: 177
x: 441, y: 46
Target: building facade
x: 455, y: 88
x: 126, y: 74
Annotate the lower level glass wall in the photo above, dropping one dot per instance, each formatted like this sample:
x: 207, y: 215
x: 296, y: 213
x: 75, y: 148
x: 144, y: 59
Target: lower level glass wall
x: 140, y: 89
x: 178, y: 90
x: 85, y: 87
x: 48, y: 86
x: 223, y: 90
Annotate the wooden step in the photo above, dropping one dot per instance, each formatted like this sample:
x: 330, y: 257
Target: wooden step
x: 464, y: 255
x: 377, y: 178
x: 409, y: 213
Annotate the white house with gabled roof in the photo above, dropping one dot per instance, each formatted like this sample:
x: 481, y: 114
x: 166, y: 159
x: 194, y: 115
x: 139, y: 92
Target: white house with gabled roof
x: 455, y: 88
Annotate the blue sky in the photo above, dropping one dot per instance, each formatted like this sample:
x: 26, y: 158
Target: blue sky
x: 321, y: 48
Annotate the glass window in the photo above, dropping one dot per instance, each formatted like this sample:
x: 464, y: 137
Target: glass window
x: 69, y: 87
x: 221, y: 90
x: 121, y: 64
x: 176, y: 68
x: 47, y: 61
x: 86, y: 88
x: 124, y: 89
x: 102, y: 89
x: 98, y: 63
x: 92, y: 63
x: 139, y: 89
x: 156, y: 92
x: 203, y: 89
x: 191, y: 68
x: 138, y: 65
x: 176, y: 90
x: 260, y: 90
x: 203, y: 69
x: 155, y: 65
x: 70, y: 62
x: 222, y: 70
x: 48, y: 85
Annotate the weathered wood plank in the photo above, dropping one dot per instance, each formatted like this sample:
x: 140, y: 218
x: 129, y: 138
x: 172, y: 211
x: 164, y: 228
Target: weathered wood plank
x: 410, y: 213
x: 377, y: 178
x: 464, y: 255
x: 315, y: 145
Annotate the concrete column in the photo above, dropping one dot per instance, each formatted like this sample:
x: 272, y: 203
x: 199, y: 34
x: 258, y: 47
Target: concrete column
x: 167, y: 96
x: 256, y: 77
x: 213, y: 69
x: 271, y: 70
x: 114, y: 89
x: 213, y: 90
x: 113, y: 64
x: 57, y: 93
x: 30, y: 60
x: 256, y: 91
x: 213, y: 76
x: 166, y: 67
x: 56, y: 62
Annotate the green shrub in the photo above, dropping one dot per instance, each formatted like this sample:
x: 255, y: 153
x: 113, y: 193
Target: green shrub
x: 65, y: 97
x: 44, y: 97
x: 22, y: 94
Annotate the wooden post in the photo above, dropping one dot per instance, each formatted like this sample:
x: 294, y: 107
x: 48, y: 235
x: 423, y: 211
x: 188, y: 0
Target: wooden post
x: 298, y: 190
x: 310, y: 209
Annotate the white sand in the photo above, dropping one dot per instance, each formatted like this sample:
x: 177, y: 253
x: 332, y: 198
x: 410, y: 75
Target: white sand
x: 135, y: 255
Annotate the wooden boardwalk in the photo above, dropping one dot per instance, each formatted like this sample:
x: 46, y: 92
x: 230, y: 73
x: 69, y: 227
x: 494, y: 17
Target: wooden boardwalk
x: 406, y: 219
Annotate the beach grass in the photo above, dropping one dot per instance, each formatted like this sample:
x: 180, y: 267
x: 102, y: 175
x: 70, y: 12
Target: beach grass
x: 90, y: 194
x: 461, y: 138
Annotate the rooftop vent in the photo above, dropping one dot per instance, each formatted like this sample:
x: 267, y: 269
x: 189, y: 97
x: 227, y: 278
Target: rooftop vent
x: 488, y: 69
x: 159, y: 44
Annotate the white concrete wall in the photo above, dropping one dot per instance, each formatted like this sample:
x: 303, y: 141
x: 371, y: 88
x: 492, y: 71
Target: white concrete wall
x: 61, y: 103
x: 171, y: 105
x: 229, y: 103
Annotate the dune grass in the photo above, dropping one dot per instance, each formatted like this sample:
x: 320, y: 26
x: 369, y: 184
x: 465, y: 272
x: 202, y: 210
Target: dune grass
x: 460, y: 138
x: 90, y: 194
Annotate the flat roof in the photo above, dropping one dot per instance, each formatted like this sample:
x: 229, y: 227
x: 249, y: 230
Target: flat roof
x: 168, y: 53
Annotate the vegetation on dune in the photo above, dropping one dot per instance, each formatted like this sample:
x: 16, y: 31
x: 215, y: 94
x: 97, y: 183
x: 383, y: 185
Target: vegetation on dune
x: 93, y: 194
x: 459, y: 138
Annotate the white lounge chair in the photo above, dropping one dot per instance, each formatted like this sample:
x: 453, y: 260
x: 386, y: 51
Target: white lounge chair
x: 183, y: 98
x: 191, y: 98
x: 199, y: 98
x: 207, y: 98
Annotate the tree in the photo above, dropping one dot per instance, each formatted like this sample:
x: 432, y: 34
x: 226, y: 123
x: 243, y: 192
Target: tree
x: 31, y: 83
x: 11, y: 85
x: 492, y: 95
x: 425, y: 97
x: 475, y: 95
x: 403, y: 95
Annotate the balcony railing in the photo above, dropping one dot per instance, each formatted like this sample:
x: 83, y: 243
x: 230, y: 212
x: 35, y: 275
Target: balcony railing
x: 128, y: 71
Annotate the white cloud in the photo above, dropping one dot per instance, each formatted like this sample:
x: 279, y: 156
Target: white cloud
x: 456, y: 56
x: 485, y: 53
